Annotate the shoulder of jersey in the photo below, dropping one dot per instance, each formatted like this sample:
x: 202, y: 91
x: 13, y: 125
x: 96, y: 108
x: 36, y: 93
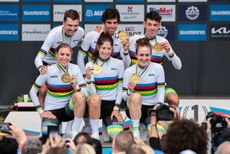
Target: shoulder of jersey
x: 56, y: 30
x: 92, y: 33
x: 131, y: 68
x: 156, y: 65
x: 81, y: 30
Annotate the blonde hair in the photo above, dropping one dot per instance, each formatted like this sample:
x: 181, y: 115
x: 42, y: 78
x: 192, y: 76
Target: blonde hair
x: 84, y: 149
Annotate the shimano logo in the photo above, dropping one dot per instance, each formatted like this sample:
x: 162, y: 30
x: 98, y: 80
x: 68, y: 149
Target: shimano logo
x: 8, y: 32
x: 221, y: 30
x: 163, y: 31
x: 192, y: 32
x: 192, y: 13
x: 90, y: 13
x: 220, y: 12
x: 36, y: 13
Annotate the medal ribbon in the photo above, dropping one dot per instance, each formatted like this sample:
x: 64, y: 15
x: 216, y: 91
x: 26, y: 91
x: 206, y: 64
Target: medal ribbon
x: 63, y: 69
x: 142, y: 71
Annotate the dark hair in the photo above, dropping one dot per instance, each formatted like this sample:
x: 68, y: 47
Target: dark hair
x: 97, y: 146
x: 64, y: 45
x: 102, y: 38
x: 110, y: 13
x: 8, y: 145
x: 143, y: 42
x: 72, y: 14
x: 153, y: 15
x: 86, y: 138
x: 185, y: 134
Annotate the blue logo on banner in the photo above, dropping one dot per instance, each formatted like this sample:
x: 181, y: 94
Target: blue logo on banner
x: 35, y: 1
x: 167, y: 31
x: 9, y: 12
x: 94, y: 12
x: 192, y: 32
x: 9, y: 32
x: 192, y: 12
x: 66, y: 1
x: 220, y: 12
x: 36, y: 13
x: 130, y: 1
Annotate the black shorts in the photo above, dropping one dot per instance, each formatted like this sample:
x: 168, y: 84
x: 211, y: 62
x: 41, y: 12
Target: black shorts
x: 63, y: 114
x: 144, y: 113
x: 106, y: 111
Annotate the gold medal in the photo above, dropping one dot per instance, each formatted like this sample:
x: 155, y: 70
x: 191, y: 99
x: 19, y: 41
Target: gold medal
x: 123, y: 35
x: 157, y: 47
x: 97, y: 69
x: 135, y: 78
x: 66, y: 77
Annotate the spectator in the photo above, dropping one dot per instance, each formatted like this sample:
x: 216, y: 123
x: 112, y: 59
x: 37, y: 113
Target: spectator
x: 32, y: 146
x: 223, y: 148
x: 123, y: 142
x: 84, y: 149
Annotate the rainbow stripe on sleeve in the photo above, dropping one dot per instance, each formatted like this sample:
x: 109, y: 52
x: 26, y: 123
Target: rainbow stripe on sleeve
x: 36, y: 86
x: 157, y: 59
x: 42, y: 52
x: 133, y: 57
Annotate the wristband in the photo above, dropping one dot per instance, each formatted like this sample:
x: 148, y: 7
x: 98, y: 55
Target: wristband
x: 116, y: 107
x: 39, y: 67
x: 77, y: 88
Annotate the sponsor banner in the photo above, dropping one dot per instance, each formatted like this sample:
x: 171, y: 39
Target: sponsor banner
x: 161, y: 0
x: 67, y: 1
x: 59, y: 10
x: 35, y: 32
x: 98, y: 0
x: 93, y: 13
x: 36, y: 1
x: 36, y: 13
x: 167, y: 12
x: 90, y: 27
x: 197, y: 109
x: 219, y: 32
x: 192, y: 12
x: 220, y: 12
x: 9, y: 32
x: 130, y: 1
x: 167, y: 31
x: 131, y: 29
x: 9, y: 0
x: 192, y: 32
x: 131, y: 12
x: 9, y: 12
x: 192, y: 0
